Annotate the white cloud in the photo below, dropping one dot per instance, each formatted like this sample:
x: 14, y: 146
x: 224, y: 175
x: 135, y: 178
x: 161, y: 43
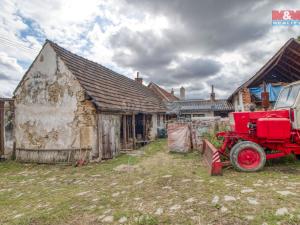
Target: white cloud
x: 86, y: 27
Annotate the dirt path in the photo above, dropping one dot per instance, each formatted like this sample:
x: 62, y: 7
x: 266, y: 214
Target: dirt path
x: 156, y: 188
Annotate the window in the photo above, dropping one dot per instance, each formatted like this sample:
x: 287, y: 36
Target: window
x: 198, y: 115
x: 287, y: 96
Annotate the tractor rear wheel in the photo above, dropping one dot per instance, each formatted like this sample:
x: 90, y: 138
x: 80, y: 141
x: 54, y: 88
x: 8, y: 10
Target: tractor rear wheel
x: 247, y: 156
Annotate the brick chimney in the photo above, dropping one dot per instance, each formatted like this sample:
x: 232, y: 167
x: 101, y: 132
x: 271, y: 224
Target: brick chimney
x: 182, y: 93
x: 172, y: 91
x: 212, y: 94
x: 138, y: 79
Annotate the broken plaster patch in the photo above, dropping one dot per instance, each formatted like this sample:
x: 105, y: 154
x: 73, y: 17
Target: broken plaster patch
x: 215, y: 200
x: 175, y: 207
x: 247, y: 190
x: 159, y: 211
x: 190, y: 200
x: 229, y: 198
x: 108, y: 219
x: 224, y: 209
x: 252, y: 201
x: 285, y: 193
x: 281, y: 212
x: 167, y: 176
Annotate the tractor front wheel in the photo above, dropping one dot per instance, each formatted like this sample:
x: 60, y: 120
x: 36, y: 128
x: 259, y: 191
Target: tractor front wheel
x: 247, y: 156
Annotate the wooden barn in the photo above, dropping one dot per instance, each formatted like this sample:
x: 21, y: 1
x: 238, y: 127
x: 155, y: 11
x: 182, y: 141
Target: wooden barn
x: 69, y: 108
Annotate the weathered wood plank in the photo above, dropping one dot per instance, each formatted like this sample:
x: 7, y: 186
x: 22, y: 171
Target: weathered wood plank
x: 124, y: 132
x: 52, y: 156
x: 133, y: 131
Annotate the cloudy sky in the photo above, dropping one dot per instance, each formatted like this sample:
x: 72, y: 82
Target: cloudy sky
x: 190, y: 43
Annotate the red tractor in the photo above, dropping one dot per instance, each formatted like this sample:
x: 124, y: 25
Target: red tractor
x: 261, y: 135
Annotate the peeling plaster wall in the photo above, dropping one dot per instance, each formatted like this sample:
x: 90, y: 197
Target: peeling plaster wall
x: 50, y: 108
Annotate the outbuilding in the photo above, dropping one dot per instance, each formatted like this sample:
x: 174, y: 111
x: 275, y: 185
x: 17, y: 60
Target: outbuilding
x: 68, y: 108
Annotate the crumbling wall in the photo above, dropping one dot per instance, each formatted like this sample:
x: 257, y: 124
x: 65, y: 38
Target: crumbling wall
x: 246, y: 97
x: 186, y: 135
x: 8, y: 129
x: 51, y: 111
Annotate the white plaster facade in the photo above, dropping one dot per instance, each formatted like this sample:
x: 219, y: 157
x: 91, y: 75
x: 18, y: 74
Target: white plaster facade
x: 238, y: 102
x: 50, y: 108
x: 53, y: 113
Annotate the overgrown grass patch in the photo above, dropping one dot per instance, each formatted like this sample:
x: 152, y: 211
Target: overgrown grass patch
x: 164, y: 189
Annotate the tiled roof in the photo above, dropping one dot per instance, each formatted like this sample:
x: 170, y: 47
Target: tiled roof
x: 162, y: 93
x: 192, y: 106
x: 109, y: 90
x: 5, y: 99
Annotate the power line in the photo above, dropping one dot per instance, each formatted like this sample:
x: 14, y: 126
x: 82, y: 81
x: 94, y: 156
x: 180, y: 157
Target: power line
x: 21, y: 48
x: 9, y: 43
x: 17, y: 43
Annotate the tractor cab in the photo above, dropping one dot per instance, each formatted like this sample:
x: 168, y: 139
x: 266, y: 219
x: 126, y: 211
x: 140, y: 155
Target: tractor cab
x: 289, y: 99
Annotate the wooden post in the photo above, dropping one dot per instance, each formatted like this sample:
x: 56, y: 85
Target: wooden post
x: 124, y: 132
x: 265, y: 97
x: 133, y: 131
x: 144, y: 127
x: 1, y: 128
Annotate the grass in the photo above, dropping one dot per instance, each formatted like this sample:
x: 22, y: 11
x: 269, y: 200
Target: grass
x: 164, y: 188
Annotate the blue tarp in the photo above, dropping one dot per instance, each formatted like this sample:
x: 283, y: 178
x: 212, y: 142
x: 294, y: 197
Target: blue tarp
x: 273, y: 91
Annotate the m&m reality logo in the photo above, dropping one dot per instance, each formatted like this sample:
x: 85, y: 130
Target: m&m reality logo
x: 285, y: 17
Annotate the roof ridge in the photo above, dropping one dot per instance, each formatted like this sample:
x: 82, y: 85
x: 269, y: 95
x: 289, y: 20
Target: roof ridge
x: 121, y: 91
x: 96, y: 63
x: 65, y: 49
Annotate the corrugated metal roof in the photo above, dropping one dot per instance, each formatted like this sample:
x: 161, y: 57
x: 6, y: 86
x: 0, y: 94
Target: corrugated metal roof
x: 192, y: 106
x: 109, y: 90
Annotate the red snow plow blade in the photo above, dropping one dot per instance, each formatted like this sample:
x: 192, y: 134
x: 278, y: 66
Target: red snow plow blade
x: 211, y: 158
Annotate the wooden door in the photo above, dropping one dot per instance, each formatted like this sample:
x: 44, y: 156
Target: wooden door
x: 1, y: 128
x: 106, y: 137
x: 109, y: 142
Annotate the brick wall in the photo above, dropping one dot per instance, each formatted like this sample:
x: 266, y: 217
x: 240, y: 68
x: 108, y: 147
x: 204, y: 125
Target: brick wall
x: 246, y: 98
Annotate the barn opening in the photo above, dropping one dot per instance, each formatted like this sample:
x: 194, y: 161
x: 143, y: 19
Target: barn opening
x: 135, y: 130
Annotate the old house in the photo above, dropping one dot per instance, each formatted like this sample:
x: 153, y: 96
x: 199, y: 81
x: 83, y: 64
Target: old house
x: 166, y: 97
x: 281, y: 69
x: 194, y: 108
x: 69, y: 108
x: 162, y: 93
